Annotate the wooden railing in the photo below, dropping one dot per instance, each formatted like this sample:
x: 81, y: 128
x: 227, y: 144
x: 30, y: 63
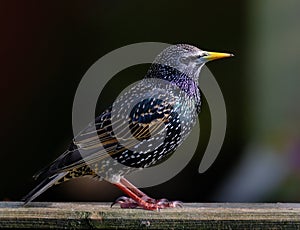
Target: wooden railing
x: 192, y: 215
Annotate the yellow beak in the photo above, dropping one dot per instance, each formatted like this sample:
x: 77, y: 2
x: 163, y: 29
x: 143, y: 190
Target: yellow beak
x: 214, y: 55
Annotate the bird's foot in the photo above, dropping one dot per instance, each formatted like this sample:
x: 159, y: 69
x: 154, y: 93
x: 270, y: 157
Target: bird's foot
x: 125, y: 202
x: 146, y: 203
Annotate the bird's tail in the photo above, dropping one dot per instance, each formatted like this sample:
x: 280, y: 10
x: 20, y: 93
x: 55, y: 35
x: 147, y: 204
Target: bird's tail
x: 42, y: 187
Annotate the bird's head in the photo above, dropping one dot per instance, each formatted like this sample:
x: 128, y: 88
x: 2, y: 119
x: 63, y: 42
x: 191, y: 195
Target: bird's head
x: 187, y: 59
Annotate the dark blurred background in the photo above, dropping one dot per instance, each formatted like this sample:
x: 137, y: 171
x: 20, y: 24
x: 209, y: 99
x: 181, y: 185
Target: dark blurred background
x: 46, y: 47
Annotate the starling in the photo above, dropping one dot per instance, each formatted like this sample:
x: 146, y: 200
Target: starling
x: 169, y: 103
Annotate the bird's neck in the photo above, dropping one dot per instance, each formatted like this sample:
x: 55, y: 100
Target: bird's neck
x: 174, y: 76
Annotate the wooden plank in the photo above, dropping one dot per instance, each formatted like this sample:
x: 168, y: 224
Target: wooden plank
x: 193, y: 215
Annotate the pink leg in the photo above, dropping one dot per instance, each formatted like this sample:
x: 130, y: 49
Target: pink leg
x: 140, y: 199
x: 134, y: 189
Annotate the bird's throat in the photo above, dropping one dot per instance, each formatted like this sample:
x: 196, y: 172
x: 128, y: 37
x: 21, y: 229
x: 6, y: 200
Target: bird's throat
x: 182, y: 80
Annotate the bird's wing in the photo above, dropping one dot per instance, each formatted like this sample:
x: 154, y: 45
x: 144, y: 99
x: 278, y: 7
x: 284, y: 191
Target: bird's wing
x: 98, y: 140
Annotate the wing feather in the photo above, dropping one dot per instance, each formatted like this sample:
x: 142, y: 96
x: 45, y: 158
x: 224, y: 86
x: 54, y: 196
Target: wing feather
x: 98, y: 140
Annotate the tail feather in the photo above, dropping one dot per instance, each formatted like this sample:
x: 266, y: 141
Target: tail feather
x: 42, y: 187
x: 69, y: 157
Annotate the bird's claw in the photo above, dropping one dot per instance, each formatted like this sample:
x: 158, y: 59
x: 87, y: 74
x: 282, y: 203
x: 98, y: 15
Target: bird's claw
x: 164, y: 203
x: 125, y: 202
x: 147, y: 203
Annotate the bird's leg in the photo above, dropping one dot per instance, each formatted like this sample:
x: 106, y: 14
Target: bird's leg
x: 134, y: 189
x: 140, y: 199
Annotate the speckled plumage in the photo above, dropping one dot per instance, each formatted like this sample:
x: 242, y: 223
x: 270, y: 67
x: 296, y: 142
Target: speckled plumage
x: 159, y: 121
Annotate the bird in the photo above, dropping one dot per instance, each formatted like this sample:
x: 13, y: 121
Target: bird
x: 143, y: 127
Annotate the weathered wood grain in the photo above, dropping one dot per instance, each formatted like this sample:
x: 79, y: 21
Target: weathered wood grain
x: 193, y: 215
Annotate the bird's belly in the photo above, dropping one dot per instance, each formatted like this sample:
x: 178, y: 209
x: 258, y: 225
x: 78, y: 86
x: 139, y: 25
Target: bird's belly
x: 150, y: 151
x: 157, y: 126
